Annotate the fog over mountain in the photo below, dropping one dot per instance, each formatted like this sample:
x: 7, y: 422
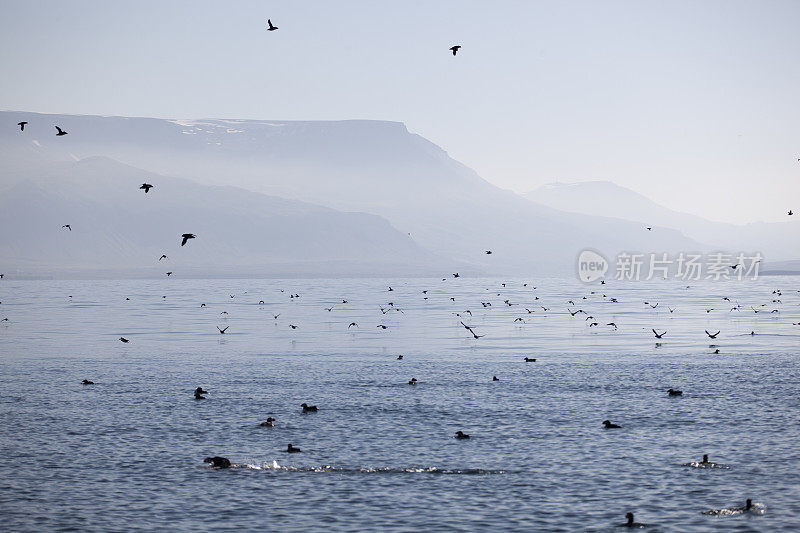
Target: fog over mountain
x: 118, y: 230
x: 777, y: 241
x: 364, y: 166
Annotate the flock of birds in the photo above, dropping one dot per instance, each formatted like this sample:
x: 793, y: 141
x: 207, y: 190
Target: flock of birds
x: 591, y: 300
x: 590, y: 320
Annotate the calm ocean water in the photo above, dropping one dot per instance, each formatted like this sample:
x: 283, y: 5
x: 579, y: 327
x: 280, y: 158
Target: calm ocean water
x: 126, y: 452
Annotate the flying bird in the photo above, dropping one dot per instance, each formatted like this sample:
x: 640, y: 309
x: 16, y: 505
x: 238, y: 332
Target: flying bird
x: 163, y: 256
x: 222, y: 331
x: 60, y: 132
x: 471, y: 331
x: 187, y: 236
x: 659, y: 335
x: 21, y: 125
x: 790, y: 212
x: 271, y: 27
x: 123, y: 339
x: 146, y: 187
x: 488, y: 252
x: 455, y: 48
x: 352, y: 324
x: 169, y: 274
x: 67, y: 226
x: 712, y: 335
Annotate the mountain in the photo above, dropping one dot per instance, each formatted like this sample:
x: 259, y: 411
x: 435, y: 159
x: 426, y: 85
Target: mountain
x: 373, y: 167
x: 777, y: 241
x: 118, y: 230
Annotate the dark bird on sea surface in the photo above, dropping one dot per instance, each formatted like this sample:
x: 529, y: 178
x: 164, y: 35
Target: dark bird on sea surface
x: 716, y: 351
x: 494, y: 378
x: 269, y: 422
x: 608, y: 425
x: 169, y: 274
x: 146, y: 187
x: 455, y: 48
x: 471, y: 331
x: 461, y: 435
x: 163, y: 256
x: 272, y: 28
x: 222, y: 331
x: 290, y: 448
x: 87, y: 382
x: 21, y: 125
x: 344, y: 301
x: 673, y: 392
x: 399, y: 357
x: 631, y: 523
x: 123, y: 339
x: 309, y: 408
x: 412, y: 381
x: 456, y: 275
x: 199, y: 390
x: 530, y: 359
x: 186, y: 237
x: 293, y: 326
x: 351, y: 325
x: 60, y: 132
x: 712, y: 336
x: 218, y: 462
x: 67, y: 226
x: 658, y: 335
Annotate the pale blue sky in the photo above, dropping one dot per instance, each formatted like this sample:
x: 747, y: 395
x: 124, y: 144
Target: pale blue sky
x: 695, y: 104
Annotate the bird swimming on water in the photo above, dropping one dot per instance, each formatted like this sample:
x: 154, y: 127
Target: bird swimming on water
x: 608, y: 425
x: 309, y: 408
x: 630, y: 523
x: 461, y: 435
x: 186, y: 237
x: 270, y: 422
x: 198, y: 393
x: 218, y: 462
x: 292, y: 449
x: 673, y: 392
x: 123, y: 339
x: 87, y: 382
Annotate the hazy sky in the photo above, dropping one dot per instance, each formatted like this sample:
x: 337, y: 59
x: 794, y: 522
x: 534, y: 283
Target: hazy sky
x: 695, y: 104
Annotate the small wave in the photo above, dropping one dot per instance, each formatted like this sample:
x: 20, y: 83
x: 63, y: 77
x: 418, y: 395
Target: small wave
x: 274, y: 466
x: 757, y: 509
x: 699, y: 464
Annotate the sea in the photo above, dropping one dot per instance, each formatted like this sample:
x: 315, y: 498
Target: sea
x: 126, y: 452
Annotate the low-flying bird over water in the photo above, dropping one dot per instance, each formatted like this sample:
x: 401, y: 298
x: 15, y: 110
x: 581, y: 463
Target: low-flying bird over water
x: 21, y: 125
x: 455, y: 48
x: 146, y: 187
x: 222, y: 331
x: 272, y: 28
x: 658, y: 335
x: 60, y: 132
x: 471, y: 331
x: 67, y: 226
x: 186, y: 237
x: 123, y: 339
x: 163, y: 256
x: 169, y: 274
x: 712, y: 335
x: 352, y: 324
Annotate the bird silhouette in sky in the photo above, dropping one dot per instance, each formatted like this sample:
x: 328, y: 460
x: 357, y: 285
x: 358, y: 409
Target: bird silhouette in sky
x: 146, y: 187
x: 455, y: 49
x: 186, y: 237
x: 21, y: 125
x: 271, y: 27
x: 60, y: 132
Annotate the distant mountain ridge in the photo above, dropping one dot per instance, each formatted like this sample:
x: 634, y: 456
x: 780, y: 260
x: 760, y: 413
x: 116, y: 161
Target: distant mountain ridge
x: 442, y: 207
x: 778, y: 241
